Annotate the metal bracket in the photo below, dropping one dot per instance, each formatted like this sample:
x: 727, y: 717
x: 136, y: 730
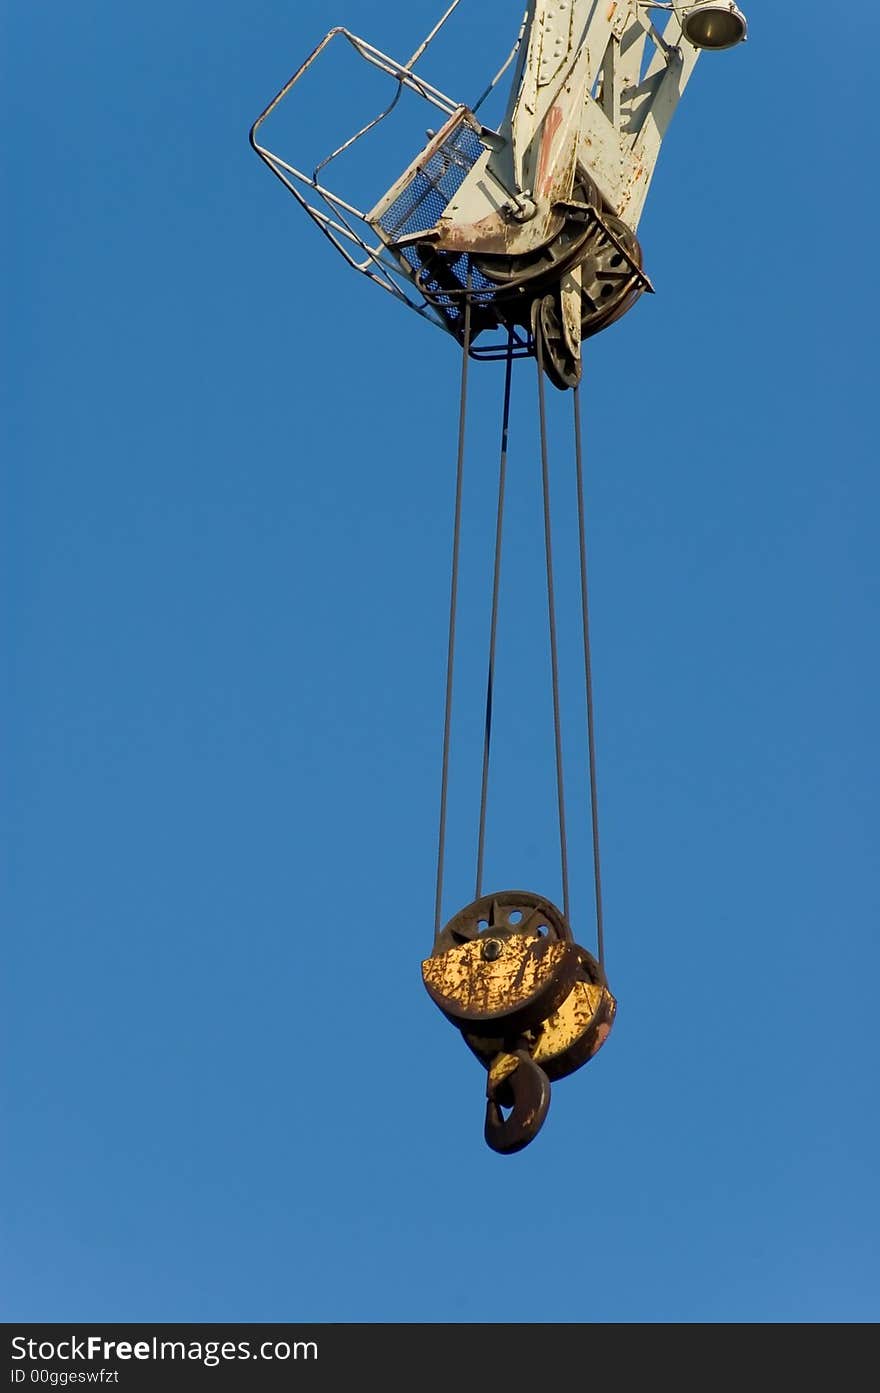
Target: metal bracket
x: 586, y: 213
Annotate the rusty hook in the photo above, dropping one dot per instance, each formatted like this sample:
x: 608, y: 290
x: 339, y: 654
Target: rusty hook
x: 517, y: 1082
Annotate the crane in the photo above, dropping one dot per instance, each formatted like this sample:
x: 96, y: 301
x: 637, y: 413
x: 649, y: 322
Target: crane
x: 520, y: 241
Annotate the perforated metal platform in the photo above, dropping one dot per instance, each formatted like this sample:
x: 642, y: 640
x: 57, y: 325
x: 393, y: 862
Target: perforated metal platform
x: 417, y: 202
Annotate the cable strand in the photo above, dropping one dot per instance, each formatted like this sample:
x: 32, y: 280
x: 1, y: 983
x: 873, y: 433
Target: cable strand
x: 453, y: 607
x: 493, y: 629
x: 551, y: 614
x: 588, y: 675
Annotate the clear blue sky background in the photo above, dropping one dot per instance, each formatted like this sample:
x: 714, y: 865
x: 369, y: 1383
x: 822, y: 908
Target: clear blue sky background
x: 227, y: 500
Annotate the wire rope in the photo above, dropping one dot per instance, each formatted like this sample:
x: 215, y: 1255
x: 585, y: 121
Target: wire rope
x: 493, y: 628
x: 453, y: 607
x: 588, y: 675
x: 551, y: 615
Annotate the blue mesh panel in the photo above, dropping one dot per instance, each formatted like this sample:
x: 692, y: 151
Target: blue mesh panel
x: 423, y: 202
x: 425, y: 198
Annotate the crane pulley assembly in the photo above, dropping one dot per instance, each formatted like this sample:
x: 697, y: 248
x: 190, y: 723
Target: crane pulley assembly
x: 530, y: 1003
x: 520, y: 241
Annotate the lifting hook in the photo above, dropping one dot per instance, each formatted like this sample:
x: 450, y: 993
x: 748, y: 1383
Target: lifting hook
x: 515, y: 1082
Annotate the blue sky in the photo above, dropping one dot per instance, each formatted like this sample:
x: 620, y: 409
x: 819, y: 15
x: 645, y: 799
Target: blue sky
x: 227, y: 502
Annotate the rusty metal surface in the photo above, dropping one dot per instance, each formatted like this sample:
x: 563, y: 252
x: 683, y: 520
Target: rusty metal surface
x: 516, y: 1082
x: 520, y: 911
x: 512, y: 980
x: 532, y: 1006
x: 594, y: 89
x: 569, y: 1037
x: 497, y: 234
x: 573, y: 1034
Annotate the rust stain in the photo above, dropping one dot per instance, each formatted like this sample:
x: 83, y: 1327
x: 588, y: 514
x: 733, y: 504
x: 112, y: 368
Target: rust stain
x: 489, y: 235
x: 602, y: 1033
x: 545, y: 168
x: 462, y: 982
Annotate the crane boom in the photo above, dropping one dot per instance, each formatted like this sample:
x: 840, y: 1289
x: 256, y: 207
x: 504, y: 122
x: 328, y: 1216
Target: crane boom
x: 535, y: 221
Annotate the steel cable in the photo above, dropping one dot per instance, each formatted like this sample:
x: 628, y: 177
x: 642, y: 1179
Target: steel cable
x: 588, y: 676
x: 552, y: 628
x: 493, y: 629
x: 453, y: 606
x: 551, y: 612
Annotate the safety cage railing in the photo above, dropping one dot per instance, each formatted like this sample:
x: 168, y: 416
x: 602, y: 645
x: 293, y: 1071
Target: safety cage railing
x: 380, y: 243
